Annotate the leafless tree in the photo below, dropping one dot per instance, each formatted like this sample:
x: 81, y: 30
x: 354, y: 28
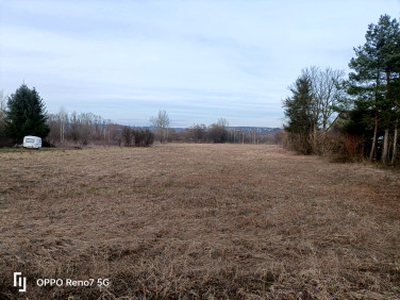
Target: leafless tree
x: 54, y: 125
x: 326, y: 90
x: 198, y: 133
x: 127, y: 135
x: 3, y: 105
x: 161, y: 124
x: 218, y: 132
x: 63, y: 123
x: 81, y: 127
x: 113, y: 134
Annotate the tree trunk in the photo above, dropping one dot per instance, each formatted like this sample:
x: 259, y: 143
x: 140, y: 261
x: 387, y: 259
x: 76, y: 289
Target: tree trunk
x: 371, y: 154
x: 373, y: 147
x: 315, y: 139
x: 385, y: 146
x: 62, y: 131
x: 395, y: 142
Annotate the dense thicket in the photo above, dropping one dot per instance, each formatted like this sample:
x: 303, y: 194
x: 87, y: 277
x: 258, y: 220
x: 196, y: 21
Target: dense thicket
x: 137, y: 137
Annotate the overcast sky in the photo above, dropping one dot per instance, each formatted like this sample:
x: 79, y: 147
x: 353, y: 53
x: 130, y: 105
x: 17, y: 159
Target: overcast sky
x: 198, y: 60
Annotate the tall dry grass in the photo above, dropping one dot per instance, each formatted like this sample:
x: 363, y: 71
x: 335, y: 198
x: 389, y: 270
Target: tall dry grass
x: 198, y: 222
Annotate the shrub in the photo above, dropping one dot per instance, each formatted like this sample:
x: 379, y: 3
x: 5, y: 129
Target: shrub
x: 143, y: 137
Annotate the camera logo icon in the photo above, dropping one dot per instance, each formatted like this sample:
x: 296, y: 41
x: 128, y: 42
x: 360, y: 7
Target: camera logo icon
x: 20, y: 282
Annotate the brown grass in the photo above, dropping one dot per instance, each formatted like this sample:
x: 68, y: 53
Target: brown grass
x: 198, y: 222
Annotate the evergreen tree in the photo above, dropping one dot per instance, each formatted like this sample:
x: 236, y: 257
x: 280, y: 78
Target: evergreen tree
x: 298, y: 110
x: 26, y: 115
x: 375, y: 68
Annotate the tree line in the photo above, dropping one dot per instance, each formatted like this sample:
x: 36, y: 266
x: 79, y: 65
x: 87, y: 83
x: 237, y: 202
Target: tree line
x: 25, y: 114
x: 367, y: 103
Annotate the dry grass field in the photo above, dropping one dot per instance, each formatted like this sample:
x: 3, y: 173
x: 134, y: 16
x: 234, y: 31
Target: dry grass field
x: 198, y: 222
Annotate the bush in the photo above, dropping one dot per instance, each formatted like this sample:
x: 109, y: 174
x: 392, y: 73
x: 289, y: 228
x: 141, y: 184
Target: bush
x: 127, y: 135
x: 339, y: 146
x: 298, y: 143
x: 143, y: 137
x: 218, y: 133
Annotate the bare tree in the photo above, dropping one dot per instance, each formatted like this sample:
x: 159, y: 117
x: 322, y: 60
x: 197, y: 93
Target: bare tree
x: 63, y: 123
x: 218, y: 132
x: 198, y: 133
x: 326, y: 90
x: 161, y: 124
x: 3, y: 104
x: 81, y: 127
x: 127, y: 135
x: 330, y: 92
x: 54, y: 125
x: 113, y: 134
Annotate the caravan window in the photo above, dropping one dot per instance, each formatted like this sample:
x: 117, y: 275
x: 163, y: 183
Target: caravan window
x: 29, y: 140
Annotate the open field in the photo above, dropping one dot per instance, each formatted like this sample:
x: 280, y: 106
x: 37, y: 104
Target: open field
x: 198, y: 222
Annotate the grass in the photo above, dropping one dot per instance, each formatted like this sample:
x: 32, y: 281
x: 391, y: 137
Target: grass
x: 198, y: 222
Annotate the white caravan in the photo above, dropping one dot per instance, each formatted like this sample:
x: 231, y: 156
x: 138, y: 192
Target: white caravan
x: 31, y: 141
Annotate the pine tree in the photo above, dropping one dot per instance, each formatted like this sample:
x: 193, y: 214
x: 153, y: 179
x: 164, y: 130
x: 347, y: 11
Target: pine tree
x: 374, y: 70
x: 26, y: 114
x: 299, y: 112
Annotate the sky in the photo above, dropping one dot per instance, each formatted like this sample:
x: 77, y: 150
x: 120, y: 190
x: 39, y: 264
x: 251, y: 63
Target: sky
x: 198, y: 60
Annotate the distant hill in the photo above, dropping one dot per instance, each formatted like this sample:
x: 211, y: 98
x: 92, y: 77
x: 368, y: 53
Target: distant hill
x: 259, y: 130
